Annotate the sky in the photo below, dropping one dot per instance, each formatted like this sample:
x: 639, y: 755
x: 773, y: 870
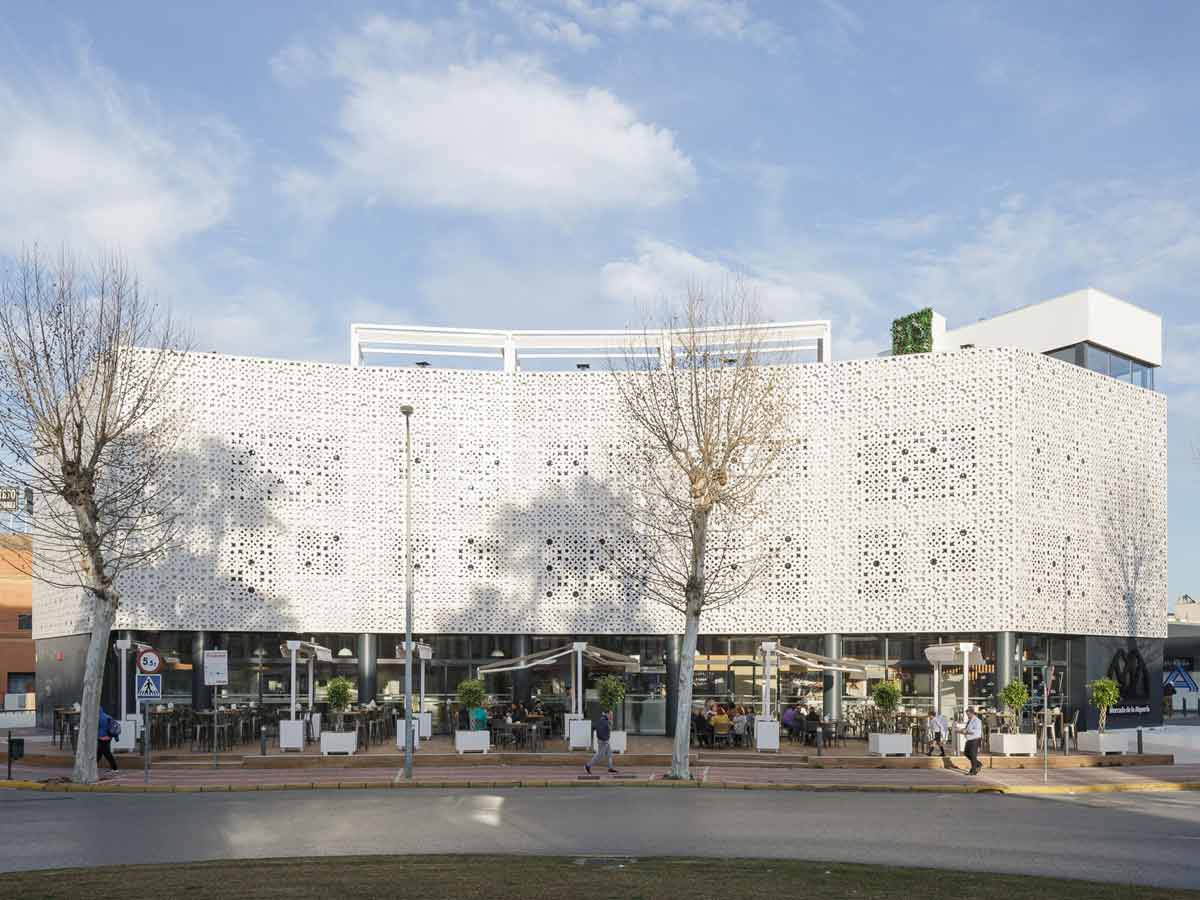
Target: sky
x: 276, y: 170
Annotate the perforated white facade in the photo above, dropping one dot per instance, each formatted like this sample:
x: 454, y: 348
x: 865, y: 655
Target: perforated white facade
x: 964, y: 491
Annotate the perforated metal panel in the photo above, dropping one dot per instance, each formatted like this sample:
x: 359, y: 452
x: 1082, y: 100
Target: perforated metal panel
x: 964, y: 491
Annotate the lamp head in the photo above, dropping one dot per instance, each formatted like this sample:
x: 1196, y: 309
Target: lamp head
x: 406, y: 409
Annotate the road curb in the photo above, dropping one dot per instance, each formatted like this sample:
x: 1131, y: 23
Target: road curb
x: 1013, y: 790
x: 1132, y: 787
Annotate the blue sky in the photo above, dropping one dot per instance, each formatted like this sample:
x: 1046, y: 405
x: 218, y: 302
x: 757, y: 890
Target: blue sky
x: 276, y: 170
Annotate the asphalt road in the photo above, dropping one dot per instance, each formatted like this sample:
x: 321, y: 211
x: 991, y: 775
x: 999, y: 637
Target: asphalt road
x: 1147, y: 839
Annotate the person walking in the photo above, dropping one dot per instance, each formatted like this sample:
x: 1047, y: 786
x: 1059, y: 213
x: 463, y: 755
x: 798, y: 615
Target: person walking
x: 603, y: 747
x: 104, y: 740
x: 939, y: 730
x: 973, y: 733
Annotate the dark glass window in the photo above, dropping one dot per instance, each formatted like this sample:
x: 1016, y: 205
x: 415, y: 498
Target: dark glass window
x: 1118, y: 366
x: 1097, y: 359
x: 20, y: 682
x: 1066, y: 354
x: 25, y: 621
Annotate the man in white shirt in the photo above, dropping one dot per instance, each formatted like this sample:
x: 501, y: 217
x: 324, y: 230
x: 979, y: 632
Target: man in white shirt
x: 973, y: 732
x: 939, y: 730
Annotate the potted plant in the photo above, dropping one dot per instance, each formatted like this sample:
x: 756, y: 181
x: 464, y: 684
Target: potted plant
x: 470, y: 697
x: 1104, y: 693
x: 611, y: 690
x: 886, y: 697
x: 337, y: 695
x: 1010, y: 741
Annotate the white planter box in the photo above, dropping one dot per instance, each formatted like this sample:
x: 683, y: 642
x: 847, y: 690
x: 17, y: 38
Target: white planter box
x: 579, y: 735
x: 400, y: 733
x: 1013, y: 744
x: 472, y: 741
x: 291, y: 734
x: 766, y: 735
x: 338, y: 742
x: 616, y: 740
x: 426, y: 721
x: 889, y: 744
x: 1103, y: 742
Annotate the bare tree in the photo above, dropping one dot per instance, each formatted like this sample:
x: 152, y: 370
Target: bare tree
x: 86, y: 363
x: 707, y: 417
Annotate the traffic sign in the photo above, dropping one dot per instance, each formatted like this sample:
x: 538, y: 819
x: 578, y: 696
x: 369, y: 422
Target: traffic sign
x: 148, y: 687
x: 216, y: 667
x: 148, y: 661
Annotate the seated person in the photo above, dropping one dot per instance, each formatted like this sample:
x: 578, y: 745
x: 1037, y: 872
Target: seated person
x: 479, y: 719
x: 789, y: 719
x: 702, y: 728
x: 464, y: 719
x: 518, y: 712
x: 720, y: 719
x: 739, y: 724
x: 813, y: 715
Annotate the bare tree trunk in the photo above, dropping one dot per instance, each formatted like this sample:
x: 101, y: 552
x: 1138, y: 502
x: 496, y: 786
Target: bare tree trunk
x: 103, y: 613
x: 691, y: 632
x: 683, y: 712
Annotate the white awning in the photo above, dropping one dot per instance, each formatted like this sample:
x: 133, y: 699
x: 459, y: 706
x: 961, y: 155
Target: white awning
x: 952, y: 654
x: 595, y: 656
x: 307, y: 650
x: 814, y: 662
x: 421, y: 651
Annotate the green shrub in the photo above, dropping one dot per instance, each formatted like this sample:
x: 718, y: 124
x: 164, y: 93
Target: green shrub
x: 337, y: 693
x: 471, y: 693
x: 1104, y: 693
x: 612, y: 692
x: 886, y: 696
x: 1014, y: 696
x: 913, y: 333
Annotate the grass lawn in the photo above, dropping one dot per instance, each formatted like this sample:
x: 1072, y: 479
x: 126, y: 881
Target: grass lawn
x: 550, y: 878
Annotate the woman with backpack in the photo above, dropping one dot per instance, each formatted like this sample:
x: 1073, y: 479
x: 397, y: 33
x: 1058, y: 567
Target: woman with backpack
x: 109, y: 729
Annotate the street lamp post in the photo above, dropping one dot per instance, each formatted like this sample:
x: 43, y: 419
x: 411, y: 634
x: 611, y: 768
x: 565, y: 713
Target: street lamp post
x: 408, y: 595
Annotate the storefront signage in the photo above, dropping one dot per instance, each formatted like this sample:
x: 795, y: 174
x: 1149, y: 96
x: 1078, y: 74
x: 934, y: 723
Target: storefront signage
x: 1129, y: 710
x: 1128, y: 670
x: 9, y: 499
x: 216, y: 667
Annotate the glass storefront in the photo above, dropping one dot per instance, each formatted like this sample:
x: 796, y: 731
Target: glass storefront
x: 727, y: 670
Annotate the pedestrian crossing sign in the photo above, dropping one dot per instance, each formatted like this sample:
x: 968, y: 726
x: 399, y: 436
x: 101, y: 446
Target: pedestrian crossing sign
x: 149, y: 687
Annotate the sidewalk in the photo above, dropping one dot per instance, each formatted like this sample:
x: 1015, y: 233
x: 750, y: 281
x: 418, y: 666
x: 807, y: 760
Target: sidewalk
x: 1007, y: 781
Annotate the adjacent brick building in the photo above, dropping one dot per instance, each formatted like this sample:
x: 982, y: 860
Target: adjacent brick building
x: 16, y: 620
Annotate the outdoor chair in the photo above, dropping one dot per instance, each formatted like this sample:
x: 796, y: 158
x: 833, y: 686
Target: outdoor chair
x: 376, y: 726
x: 1070, y: 735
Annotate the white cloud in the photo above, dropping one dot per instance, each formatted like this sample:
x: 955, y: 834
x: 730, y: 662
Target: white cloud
x: 423, y: 124
x: 578, y: 23
x: 1136, y: 240
x: 260, y: 321
x: 784, y: 289
x: 89, y: 162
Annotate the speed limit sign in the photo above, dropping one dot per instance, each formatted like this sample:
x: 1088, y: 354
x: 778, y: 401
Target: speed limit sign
x: 148, y: 661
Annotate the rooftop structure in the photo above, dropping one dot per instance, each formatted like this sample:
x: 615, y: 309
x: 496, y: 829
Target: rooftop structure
x: 1088, y: 328
x: 513, y: 351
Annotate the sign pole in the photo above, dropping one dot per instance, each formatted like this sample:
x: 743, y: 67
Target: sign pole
x: 146, y: 741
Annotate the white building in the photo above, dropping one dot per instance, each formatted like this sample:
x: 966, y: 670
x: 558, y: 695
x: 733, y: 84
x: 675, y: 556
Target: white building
x: 971, y: 494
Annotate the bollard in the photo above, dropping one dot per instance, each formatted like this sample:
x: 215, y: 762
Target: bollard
x: 1139, y: 740
x: 262, y: 744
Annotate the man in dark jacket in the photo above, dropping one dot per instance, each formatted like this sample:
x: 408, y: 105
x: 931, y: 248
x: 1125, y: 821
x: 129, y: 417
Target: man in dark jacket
x: 603, y: 747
